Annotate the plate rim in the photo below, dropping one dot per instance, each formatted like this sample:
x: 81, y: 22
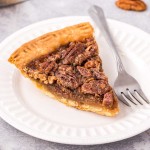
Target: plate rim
x: 59, y: 140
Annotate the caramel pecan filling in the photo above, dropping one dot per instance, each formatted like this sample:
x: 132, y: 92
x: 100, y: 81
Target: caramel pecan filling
x: 74, y: 71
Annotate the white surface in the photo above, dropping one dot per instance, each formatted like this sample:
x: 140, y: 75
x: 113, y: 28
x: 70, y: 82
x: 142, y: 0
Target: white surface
x: 26, y: 108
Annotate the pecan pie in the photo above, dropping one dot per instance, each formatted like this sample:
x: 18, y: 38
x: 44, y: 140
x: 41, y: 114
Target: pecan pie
x: 66, y: 66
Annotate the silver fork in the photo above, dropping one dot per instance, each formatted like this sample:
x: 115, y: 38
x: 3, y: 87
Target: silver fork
x: 126, y: 87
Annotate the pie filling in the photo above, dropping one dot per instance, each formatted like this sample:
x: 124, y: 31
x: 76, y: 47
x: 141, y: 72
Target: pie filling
x: 74, y: 71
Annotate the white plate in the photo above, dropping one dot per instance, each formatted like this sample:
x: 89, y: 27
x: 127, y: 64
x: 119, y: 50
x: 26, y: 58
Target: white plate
x: 27, y: 109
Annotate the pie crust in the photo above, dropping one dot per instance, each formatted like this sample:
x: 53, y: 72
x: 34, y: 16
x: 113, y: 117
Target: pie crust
x: 46, y: 45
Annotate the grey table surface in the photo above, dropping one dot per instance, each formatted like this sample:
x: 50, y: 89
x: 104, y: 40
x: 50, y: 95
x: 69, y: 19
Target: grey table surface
x: 13, y: 18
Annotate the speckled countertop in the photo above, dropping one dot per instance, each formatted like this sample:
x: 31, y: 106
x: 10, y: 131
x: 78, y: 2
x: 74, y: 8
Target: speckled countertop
x: 15, y: 17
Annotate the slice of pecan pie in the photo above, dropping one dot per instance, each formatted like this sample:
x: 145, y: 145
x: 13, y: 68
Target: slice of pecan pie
x: 66, y: 66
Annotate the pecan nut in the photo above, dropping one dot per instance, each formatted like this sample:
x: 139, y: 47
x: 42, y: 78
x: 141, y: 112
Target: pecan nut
x: 136, y: 5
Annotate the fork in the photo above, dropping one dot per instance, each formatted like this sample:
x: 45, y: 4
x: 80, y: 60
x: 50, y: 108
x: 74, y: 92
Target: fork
x: 126, y: 87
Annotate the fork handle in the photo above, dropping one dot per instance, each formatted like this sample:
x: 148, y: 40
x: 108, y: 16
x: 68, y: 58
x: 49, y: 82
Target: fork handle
x: 97, y: 14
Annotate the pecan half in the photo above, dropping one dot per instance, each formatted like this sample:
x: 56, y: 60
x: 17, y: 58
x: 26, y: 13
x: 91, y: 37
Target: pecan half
x: 136, y: 5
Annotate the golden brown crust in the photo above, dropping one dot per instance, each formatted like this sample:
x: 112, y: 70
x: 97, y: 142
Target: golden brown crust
x: 86, y: 107
x: 49, y: 42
